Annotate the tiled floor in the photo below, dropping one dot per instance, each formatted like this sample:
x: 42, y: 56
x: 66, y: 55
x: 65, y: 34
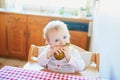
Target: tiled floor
x: 12, y: 62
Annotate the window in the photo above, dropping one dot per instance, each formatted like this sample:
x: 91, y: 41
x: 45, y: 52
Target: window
x: 55, y: 3
x: 36, y: 5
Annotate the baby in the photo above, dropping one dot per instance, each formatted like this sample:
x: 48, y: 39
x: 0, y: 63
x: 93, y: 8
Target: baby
x: 57, y: 38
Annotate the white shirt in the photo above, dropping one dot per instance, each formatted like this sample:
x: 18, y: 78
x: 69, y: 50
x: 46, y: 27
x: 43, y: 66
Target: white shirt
x: 76, y: 63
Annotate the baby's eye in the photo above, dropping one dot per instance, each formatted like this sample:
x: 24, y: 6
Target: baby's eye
x: 56, y: 40
x: 64, y: 37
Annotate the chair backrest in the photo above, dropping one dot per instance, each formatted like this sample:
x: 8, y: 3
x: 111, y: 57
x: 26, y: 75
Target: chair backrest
x: 33, y: 54
x: 95, y: 57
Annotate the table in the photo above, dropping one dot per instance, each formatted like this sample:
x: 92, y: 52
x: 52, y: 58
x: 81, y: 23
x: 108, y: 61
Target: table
x: 16, y: 73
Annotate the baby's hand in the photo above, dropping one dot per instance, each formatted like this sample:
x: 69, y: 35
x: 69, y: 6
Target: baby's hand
x: 60, y: 49
x: 65, y: 50
x: 59, y: 54
x: 57, y: 50
x: 53, y: 50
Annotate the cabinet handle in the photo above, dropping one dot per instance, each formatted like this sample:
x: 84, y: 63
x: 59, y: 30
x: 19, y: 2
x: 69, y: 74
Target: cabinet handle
x: 28, y: 34
x: 24, y: 33
x: 16, y: 19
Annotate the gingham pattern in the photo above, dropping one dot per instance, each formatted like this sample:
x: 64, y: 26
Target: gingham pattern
x: 15, y: 73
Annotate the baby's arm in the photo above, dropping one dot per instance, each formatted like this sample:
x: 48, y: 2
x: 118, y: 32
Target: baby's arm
x: 77, y: 61
x: 46, y: 54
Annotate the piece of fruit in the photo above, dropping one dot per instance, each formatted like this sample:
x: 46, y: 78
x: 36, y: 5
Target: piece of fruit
x: 61, y: 55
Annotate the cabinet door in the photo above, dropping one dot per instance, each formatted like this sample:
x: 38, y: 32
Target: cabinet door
x: 79, y: 33
x: 35, y: 30
x: 3, y: 50
x: 79, y: 38
x: 16, y: 35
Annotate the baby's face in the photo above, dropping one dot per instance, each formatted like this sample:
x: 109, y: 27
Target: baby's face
x: 58, y: 37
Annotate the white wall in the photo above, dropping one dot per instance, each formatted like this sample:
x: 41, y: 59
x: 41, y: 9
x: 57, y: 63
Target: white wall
x: 48, y: 3
x: 2, y: 3
x: 106, y: 38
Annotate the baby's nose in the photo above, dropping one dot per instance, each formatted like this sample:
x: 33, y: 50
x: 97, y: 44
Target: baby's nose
x: 62, y: 42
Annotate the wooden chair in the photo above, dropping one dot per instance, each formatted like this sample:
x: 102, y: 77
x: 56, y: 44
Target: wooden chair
x: 95, y: 58
x: 33, y: 54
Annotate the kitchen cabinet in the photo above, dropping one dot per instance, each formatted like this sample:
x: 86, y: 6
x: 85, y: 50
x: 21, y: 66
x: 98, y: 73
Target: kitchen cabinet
x: 79, y: 38
x: 35, y: 30
x: 16, y: 35
x: 19, y: 31
x: 3, y: 47
x: 22, y: 31
x: 79, y: 33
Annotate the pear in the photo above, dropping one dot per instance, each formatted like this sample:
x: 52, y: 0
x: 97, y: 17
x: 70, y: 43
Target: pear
x: 61, y: 55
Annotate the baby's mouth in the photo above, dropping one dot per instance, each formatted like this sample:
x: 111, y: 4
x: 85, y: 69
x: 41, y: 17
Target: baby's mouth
x: 67, y: 44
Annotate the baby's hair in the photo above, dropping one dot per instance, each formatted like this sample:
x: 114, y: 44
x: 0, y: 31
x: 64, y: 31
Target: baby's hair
x: 57, y: 25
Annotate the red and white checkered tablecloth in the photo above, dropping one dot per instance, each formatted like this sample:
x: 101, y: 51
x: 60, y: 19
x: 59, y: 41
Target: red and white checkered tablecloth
x: 15, y: 73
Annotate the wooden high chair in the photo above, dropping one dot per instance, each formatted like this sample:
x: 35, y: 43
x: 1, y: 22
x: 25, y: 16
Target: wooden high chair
x: 33, y: 54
